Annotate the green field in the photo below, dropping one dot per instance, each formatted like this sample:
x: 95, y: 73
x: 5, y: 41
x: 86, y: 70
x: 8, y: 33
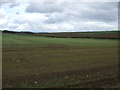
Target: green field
x: 41, y: 62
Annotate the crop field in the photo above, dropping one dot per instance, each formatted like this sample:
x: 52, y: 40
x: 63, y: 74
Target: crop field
x: 95, y: 35
x: 31, y: 61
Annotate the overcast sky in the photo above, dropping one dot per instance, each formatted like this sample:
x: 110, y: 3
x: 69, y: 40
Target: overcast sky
x: 58, y: 16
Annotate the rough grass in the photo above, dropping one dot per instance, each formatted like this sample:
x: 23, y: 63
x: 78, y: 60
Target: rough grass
x: 33, y: 61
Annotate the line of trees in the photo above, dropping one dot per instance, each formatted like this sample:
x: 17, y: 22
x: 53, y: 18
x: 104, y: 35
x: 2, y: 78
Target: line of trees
x: 26, y: 32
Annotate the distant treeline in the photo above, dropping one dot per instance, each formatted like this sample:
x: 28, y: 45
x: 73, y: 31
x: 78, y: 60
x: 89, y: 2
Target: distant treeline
x: 22, y: 32
x: 96, y: 35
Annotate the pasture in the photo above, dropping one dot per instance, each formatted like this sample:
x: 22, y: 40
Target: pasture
x: 31, y: 61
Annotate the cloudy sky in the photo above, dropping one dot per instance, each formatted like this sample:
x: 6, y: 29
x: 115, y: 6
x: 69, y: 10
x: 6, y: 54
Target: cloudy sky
x: 58, y: 16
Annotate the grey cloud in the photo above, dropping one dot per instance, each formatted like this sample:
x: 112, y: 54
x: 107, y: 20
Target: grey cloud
x: 46, y: 7
x: 30, y: 25
x: 63, y: 16
x: 20, y: 21
x: 104, y: 12
x: 14, y: 4
x: 2, y: 2
x: 104, y: 16
x: 13, y: 27
x: 2, y: 15
x: 103, y: 5
x: 56, y: 18
x: 17, y: 13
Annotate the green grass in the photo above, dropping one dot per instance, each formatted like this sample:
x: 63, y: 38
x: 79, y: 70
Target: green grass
x: 58, y: 62
x: 23, y: 39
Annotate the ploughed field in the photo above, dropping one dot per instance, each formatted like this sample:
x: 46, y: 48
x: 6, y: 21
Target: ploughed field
x: 95, y: 35
x: 43, y: 62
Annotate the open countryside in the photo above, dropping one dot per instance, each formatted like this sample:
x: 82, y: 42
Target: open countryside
x: 36, y: 61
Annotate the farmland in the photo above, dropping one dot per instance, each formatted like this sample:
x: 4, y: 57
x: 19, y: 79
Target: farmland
x: 35, y: 61
x: 95, y: 35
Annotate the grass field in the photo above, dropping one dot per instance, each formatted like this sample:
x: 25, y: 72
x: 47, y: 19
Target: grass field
x: 41, y: 62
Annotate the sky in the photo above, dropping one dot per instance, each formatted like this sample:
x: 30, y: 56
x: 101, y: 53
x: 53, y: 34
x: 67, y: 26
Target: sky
x: 58, y: 15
